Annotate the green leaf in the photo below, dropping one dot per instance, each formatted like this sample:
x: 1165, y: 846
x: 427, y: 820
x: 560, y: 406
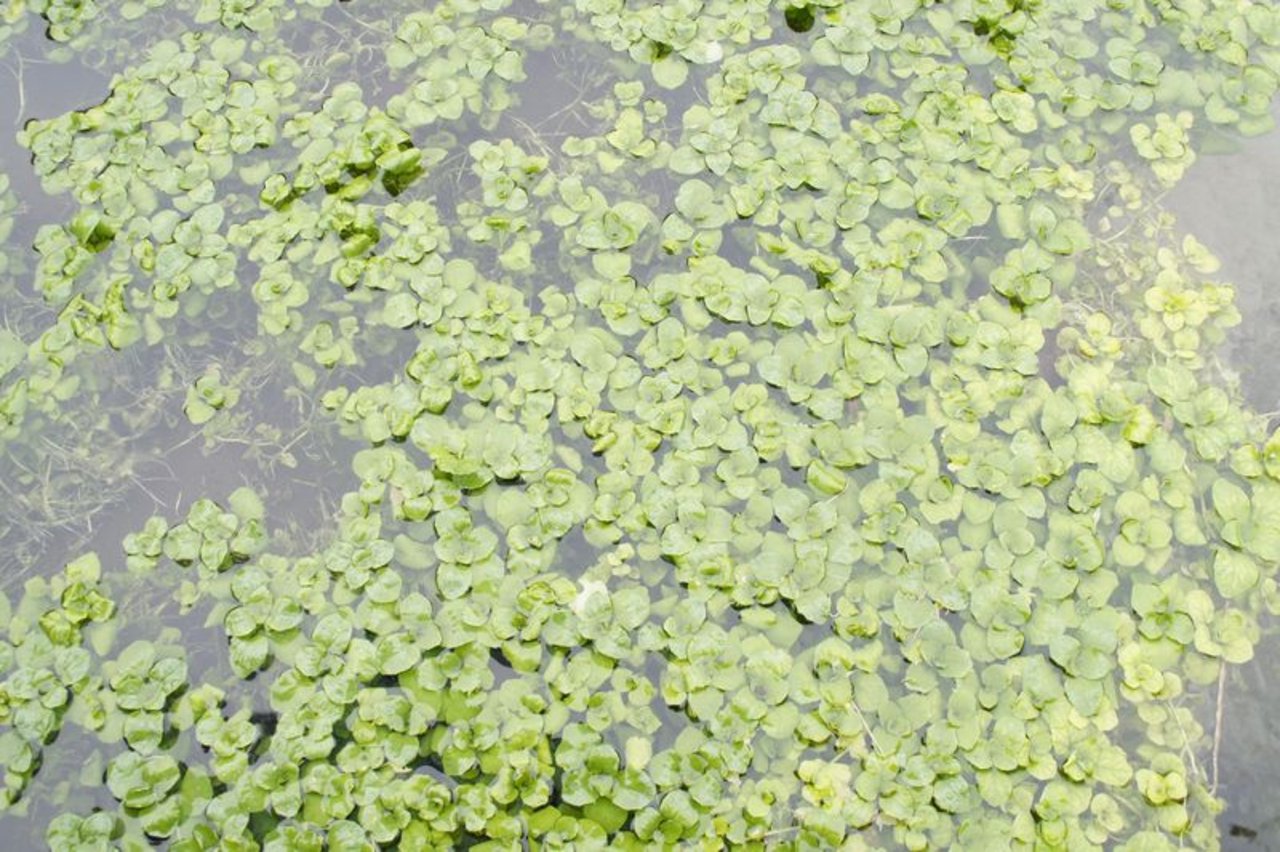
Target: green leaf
x: 1235, y: 574
x: 670, y: 72
x: 141, y: 782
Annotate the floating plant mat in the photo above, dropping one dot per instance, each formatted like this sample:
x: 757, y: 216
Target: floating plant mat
x: 746, y: 424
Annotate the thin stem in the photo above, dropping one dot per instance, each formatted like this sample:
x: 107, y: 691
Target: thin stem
x: 1137, y: 217
x: 20, y: 75
x: 1217, y: 724
x: 870, y: 734
x: 1186, y: 741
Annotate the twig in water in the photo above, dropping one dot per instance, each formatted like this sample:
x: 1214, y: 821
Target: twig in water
x: 1217, y: 724
x: 1186, y: 741
x: 19, y: 76
x: 870, y: 734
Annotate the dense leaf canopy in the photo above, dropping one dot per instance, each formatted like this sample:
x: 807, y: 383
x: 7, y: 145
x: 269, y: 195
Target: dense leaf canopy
x: 764, y: 424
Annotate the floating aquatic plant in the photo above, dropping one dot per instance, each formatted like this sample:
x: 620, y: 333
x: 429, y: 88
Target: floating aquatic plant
x: 806, y: 436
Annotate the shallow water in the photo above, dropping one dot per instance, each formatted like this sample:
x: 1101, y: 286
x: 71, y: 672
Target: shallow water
x: 1228, y: 201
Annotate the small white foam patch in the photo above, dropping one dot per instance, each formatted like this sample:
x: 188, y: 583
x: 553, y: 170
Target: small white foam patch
x: 589, y: 588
